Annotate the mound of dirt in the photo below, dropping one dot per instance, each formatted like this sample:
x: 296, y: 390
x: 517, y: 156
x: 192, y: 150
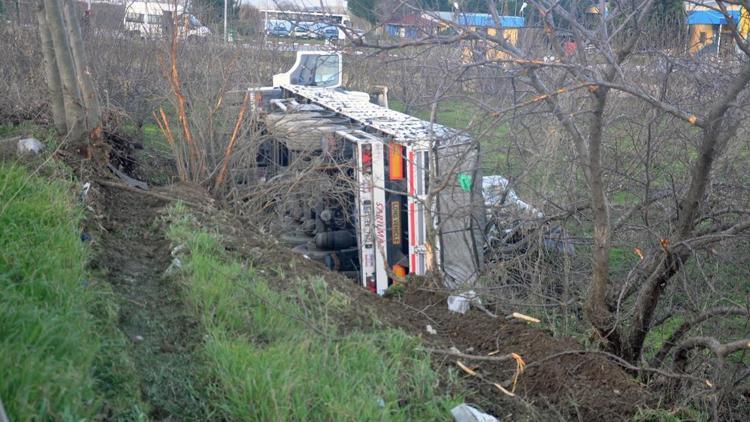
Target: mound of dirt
x: 555, y: 384
x: 569, y: 385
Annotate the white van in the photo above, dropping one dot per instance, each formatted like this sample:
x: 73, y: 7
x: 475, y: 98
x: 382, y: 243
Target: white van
x: 154, y: 19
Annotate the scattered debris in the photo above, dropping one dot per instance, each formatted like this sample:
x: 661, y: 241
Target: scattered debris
x: 177, y: 249
x: 460, y: 303
x: 504, y: 391
x: 173, y: 268
x: 30, y: 146
x: 465, y: 413
x: 3, y: 416
x: 84, y: 191
x: 137, y: 339
x: 524, y: 317
x: 431, y: 330
x: 466, y: 368
x: 133, y: 183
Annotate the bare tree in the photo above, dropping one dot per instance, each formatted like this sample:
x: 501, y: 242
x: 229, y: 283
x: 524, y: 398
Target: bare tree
x: 632, y: 118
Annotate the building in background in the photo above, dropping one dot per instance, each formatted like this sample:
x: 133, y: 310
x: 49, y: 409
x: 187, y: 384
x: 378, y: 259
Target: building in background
x: 436, y: 23
x: 329, y: 6
x: 708, y: 29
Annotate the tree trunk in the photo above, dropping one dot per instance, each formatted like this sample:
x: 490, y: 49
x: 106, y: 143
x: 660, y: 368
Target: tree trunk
x: 88, y: 92
x: 53, y: 76
x: 74, y: 112
x: 596, y: 301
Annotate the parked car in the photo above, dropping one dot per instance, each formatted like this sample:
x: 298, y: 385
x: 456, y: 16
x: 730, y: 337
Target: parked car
x: 330, y: 33
x: 279, y: 31
x: 302, y: 30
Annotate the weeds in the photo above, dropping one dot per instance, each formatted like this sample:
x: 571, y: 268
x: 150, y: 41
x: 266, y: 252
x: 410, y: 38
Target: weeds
x: 278, y: 355
x: 60, y: 355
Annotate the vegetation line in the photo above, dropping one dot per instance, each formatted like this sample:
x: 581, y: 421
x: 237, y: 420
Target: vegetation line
x: 63, y: 356
x: 270, y: 364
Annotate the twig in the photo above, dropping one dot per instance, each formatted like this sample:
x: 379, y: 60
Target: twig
x: 147, y: 193
x: 618, y: 360
x: 232, y: 142
x: 501, y: 358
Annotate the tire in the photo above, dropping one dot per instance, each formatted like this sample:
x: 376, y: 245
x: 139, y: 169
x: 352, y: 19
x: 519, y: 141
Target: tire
x: 295, y: 238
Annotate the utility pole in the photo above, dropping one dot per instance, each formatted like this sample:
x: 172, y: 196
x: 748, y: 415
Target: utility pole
x: 226, y: 37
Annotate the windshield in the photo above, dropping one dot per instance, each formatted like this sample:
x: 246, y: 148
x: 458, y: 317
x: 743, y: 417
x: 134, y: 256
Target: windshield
x: 327, y: 72
x: 317, y: 70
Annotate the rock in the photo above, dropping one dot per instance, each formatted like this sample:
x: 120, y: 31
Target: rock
x: 30, y: 146
x: 137, y: 339
x: 465, y: 413
x: 431, y: 330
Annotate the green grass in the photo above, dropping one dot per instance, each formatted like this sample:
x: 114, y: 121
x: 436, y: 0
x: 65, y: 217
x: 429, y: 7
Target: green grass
x: 277, y: 354
x: 60, y: 356
x: 463, y: 115
x: 44, y: 134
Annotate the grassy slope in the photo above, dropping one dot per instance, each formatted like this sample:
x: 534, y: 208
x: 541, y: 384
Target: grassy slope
x: 60, y: 355
x: 277, y: 355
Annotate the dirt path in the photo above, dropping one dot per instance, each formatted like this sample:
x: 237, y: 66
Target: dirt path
x: 132, y: 254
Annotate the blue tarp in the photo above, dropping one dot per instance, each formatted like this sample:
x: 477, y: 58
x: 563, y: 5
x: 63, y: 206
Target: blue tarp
x: 487, y: 20
x: 711, y: 17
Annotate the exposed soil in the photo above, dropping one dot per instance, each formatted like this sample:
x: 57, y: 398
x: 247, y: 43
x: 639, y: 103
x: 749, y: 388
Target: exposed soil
x: 132, y: 253
x: 570, y: 386
x: 555, y: 385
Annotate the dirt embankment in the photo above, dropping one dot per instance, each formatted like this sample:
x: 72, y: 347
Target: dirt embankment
x: 133, y: 254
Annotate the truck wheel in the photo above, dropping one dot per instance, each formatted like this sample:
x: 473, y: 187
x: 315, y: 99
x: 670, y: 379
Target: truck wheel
x: 335, y: 240
x: 294, y: 238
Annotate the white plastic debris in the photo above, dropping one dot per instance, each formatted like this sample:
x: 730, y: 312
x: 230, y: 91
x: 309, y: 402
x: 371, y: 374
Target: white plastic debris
x: 30, y: 146
x: 84, y: 191
x: 465, y: 413
x: 177, y: 249
x: 173, y: 268
x: 460, y: 303
x: 496, y: 194
x: 431, y: 330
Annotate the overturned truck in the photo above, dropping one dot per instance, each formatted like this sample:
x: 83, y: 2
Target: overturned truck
x: 393, y: 195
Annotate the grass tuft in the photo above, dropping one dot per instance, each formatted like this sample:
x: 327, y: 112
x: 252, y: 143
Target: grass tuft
x: 277, y: 355
x: 60, y: 355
